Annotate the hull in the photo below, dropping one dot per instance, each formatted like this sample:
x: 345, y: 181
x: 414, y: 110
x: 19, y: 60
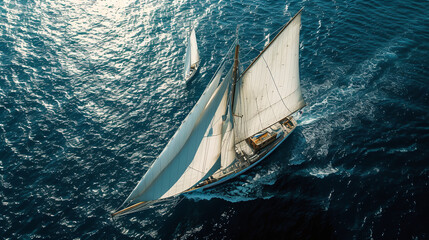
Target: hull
x: 244, y: 165
x: 223, y: 175
x: 233, y: 175
x: 192, y: 72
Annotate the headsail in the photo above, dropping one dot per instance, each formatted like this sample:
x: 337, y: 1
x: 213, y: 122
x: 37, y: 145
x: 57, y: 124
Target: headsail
x: 197, y: 159
x: 269, y: 89
x: 176, y: 145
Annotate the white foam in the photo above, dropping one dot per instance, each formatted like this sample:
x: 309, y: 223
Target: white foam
x: 323, y: 172
x: 411, y: 148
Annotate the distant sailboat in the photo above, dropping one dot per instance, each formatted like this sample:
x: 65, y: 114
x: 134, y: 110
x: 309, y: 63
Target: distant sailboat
x: 238, y: 121
x: 192, y: 57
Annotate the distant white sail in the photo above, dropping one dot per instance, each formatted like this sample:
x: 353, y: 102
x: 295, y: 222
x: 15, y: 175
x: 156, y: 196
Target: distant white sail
x: 195, y: 55
x: 144, y: 190
x: 269, y: 90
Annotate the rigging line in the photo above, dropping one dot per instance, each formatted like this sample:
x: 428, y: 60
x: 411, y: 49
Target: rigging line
x: 259, y: 115
x: 223, y: 60
x: 272, y: 78
x: 253, y: 116
x: 242, y: 63
x: 274, y: 39
x: 195, y: 170
x: 269, y: 101
x: 253, y: 47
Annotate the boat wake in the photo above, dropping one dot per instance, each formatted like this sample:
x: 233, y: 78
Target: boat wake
x: 323, y: 172
x: 242, y: 189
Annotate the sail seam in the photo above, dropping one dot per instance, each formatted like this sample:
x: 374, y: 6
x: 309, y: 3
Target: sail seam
x: 275, y: 103
x: 254, y: 46
x: 272, y: 78
x: 196, y: 170
x: 257, y: 107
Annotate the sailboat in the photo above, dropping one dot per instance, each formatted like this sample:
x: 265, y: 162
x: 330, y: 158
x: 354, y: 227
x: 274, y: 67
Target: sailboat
x: 237, y: 122
x: 192, y: 56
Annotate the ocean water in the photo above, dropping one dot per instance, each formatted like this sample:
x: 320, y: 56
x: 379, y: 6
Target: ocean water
x: 91, y: 91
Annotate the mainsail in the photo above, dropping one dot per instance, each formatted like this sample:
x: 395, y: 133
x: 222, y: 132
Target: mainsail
x: 269, y: 89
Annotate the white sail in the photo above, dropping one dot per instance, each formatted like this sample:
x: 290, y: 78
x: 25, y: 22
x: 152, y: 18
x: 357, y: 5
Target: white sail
x: 197, y: 159
x: 187, y: 60
x: 178, y: 143
x: 195, y: 55
x: 269, y: 90
x: 202, y: 149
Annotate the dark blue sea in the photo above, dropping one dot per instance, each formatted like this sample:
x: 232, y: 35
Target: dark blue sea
x: 91, y: 91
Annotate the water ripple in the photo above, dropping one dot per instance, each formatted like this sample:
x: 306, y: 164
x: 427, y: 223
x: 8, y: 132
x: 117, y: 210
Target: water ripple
x: 91, y: 92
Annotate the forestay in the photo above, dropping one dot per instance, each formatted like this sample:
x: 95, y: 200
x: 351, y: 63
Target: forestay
x: 269, y: 90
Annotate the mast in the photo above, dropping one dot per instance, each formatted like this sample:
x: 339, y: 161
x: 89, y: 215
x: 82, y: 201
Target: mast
x: 234, y: 73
